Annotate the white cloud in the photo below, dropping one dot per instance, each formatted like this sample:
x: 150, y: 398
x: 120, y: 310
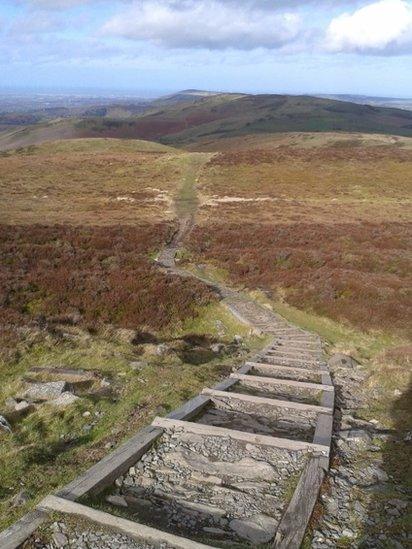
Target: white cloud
x: 384, y: 27
x: 210, y: 24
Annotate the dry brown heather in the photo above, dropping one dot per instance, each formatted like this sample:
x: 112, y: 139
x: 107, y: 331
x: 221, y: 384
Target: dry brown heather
x: 89, y: 182
x: 327, y: 228
x: 103, y: 273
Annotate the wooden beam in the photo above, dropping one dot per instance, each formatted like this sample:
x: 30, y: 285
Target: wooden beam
x: 275, y: 381
x: 323, y: 431
x: 190, y: 408
x: 20, y: 531
x: 252, y: 438
x: 137, y: 531
x: 280, y: 367
x: 293, y: 524
x: 270, y: 401
x: 106, y: 471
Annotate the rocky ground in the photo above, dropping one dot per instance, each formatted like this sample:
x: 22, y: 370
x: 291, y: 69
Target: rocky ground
x: 361, y: 505
x: 209, y: 486
x: 63, y: 535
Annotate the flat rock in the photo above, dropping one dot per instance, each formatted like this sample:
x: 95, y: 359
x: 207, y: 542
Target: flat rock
x: 64, y: 400
x: 339, y: 360
x: 257, y: 529
x: 40, y: 392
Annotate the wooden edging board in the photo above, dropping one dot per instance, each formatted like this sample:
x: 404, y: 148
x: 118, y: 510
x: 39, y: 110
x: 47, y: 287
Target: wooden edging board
x: 293, y: 524
x: 22, y: 529
x: 124, y: 526
x: 250, y: 438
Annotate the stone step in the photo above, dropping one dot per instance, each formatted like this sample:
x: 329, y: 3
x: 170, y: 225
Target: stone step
x: 262, y: 401
x: 212, y: 484
x: 232, y: 434
x: 297, y: 337
x: 302, y: 355
x: 276, y: 418
x: 137, y: 532
x: 278, y: 364
x: 297, y: 391
x: 254, y: 415
x: 298, y: 347
x: 284, y: 372
x: 287, y: 350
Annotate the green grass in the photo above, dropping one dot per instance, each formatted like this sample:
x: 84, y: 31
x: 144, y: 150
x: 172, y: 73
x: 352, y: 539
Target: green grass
x: 49, y: 448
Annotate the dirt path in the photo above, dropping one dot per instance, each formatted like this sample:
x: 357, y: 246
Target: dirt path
x: 185, y: 205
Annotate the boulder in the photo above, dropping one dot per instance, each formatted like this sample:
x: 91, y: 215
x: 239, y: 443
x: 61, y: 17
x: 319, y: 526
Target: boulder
x: 137, y: 365
x: 339, y: 360
x: 76, y: 377
x: 41, y: 392
x: 217, y: 348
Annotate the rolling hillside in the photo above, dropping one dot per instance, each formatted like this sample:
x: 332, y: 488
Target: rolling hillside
x: 188, y: 118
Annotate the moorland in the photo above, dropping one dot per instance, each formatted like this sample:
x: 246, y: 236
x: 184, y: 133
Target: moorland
x: 303, y: 203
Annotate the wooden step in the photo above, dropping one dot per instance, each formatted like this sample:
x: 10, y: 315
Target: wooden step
x: 269, y: 401
x: 275, y: 381
x: 260, y: 440
x: 285, y: 372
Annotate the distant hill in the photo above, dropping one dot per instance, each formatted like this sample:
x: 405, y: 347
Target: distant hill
x: 192, y: 116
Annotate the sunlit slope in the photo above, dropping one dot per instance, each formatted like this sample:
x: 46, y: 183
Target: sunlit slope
x: 90, y: 182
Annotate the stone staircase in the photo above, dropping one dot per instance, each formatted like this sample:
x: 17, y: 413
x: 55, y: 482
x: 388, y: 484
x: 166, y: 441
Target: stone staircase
x: 225, y: 476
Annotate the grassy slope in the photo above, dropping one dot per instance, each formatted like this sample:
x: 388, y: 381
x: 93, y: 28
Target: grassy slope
x: 93, y: 181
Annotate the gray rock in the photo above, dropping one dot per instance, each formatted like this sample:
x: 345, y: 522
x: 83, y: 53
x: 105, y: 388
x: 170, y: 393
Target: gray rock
x: 117, y: 500
x: 4, y: 425
x: 137, y: 365
x: 41, y: 392
x: 162, y: 349
x: 60, y: 539
x: 124, y: 335
x: 257, y: 529
x: 64, y: 400
x: 355, y: 435
x: 339, y: 360
x: 20, y: 499
x: 217, y: 348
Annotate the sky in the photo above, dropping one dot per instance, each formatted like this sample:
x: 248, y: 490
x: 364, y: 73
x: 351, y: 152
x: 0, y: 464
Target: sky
x: 154, y: 46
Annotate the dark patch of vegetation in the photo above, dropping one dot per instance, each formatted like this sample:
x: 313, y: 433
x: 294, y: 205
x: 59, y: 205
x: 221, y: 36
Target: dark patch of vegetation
x: 358, y: 273
x: 103, y: 274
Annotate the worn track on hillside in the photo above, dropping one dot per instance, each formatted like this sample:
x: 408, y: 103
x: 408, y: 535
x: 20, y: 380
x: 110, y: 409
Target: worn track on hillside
x: 238, y: 466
